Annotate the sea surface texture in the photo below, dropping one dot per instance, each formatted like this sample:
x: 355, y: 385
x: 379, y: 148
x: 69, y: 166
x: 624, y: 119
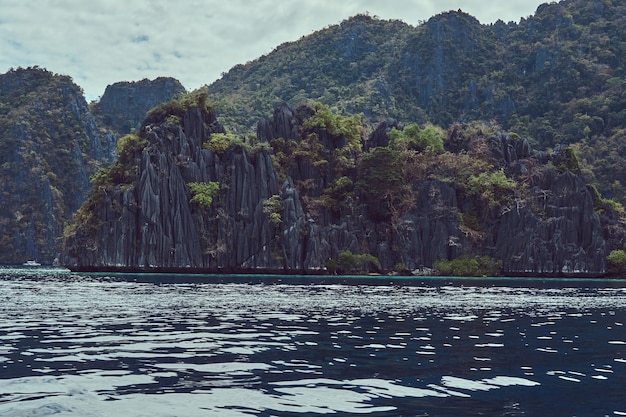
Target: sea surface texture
x: 150, y: 345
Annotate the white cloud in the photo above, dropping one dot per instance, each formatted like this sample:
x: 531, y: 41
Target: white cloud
x: 99, y: 42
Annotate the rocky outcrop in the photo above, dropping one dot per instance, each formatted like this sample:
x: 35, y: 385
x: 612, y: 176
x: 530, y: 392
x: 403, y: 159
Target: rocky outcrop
x: 151, y: 223
x: 557, y: 232
x: 430, y: 231
x: 123, y: 106
x: 379, y: 135
x: 284, y: 125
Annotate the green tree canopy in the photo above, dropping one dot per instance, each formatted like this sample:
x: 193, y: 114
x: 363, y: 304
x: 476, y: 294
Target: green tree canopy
x: 616, y: 261
x: 336, y: 125
x: 412, y: 137
x: 203, y: 192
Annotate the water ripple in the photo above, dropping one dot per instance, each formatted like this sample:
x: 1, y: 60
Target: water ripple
x: 82, y: 345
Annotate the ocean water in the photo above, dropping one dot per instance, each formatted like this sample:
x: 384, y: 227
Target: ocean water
x: 174, y: 345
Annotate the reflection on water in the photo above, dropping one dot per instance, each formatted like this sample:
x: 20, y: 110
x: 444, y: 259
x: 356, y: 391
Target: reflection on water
x: 80, y: 345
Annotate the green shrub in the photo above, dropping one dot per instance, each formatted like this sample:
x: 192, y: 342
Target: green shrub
x: 468, y: 266
x: 596, y: 196
x: 177, y: 107
x: 218, y: 143
x: 412, y: 137
x: 121, y: 173
x: 494, y: 188
x: 336, y: 125
x: 381, y: 181
x: 600, y: 203
x: 569, y: 161
x: 203, y: 192
x: 350, y: 262
x: 332, y: 266
x: 128, y: 146
x: 124, y: 169
x: 101, y: 179
x: 273, y: 207
x: 337, y: 193
x: 616, y: 261
x: 173, y: 119
x: 614, y: 205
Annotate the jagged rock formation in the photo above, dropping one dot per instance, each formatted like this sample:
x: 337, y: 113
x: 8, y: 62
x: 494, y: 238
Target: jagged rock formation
x: 550, y: 227
x: 559, y: 231
x: 532, y: 77
x: 49, y: 146
x: 123, y: 106
x: 153, y: 223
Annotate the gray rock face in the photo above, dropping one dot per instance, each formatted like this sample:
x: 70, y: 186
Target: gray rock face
x: 430, y: 231
x: 123, y: 105
x: 509, y: 150
x: 283, y: 125
x: 379, y: 136
x: 562, y: 234
x: 49, y: 147
x: 153, y: 224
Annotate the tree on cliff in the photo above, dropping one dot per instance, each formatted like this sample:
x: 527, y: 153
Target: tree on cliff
x: 617, y: 261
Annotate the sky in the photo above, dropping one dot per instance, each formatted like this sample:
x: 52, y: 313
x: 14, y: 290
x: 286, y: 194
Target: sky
x: 100, y: 42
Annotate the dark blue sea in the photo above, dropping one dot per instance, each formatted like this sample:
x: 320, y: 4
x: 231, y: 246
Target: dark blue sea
x: 180, y: 345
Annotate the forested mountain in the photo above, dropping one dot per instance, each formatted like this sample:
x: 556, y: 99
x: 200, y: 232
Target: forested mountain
x: 556, y: 78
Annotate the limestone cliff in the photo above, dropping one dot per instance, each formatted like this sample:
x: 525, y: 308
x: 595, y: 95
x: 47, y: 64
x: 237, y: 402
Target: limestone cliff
x: 51, y: 142
x: 123, y: 106
x: 49, y: 146
x: 310, y: 196
x: 151, y: 222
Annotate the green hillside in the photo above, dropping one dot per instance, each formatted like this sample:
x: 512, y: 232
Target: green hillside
x: 557, y: 78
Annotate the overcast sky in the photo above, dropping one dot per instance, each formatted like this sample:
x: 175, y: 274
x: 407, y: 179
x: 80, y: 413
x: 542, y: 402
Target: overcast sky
x: 99, y: 42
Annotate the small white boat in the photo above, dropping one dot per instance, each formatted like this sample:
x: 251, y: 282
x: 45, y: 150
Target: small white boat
x: 31, y: 263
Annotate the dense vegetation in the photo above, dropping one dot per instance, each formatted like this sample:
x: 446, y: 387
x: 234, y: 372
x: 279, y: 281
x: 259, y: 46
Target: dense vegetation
x: 617, y: 261
x: 556, y: 78
x: 469, y: 266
